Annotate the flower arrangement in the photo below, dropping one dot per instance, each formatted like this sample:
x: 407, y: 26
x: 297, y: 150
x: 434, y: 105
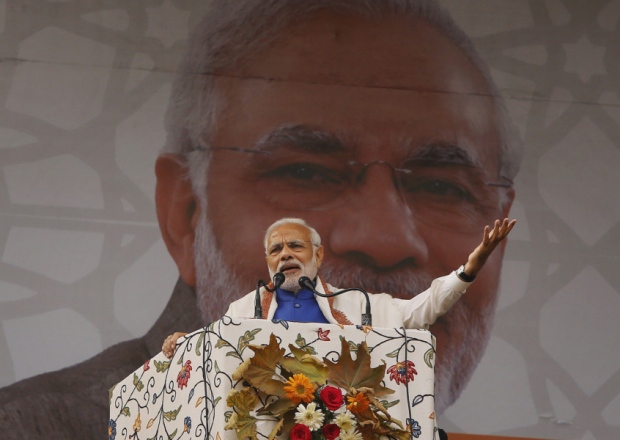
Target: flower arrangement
x: 312, y: 399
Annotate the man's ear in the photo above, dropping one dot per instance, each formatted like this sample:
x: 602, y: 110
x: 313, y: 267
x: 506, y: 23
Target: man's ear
x: 177, y: 212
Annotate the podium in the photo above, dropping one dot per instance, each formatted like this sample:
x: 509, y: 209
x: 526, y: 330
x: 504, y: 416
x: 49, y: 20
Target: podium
x: 187, y: 397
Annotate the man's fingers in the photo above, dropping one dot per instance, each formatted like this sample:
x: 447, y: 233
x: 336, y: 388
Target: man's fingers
x: 507, y: 227
x: 486, y: 235
x: 499, y: 232
x: 491, y: 234
x: 170, y: 343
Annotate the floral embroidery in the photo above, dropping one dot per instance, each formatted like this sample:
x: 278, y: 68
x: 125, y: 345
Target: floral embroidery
x: 323, y: 334
x: 402, y: 372
x: 184, y: 374
x: 137, y: 425
x: 187, y: 424
x: 414, y: 428
x: 175, y: 391
x: 111, y: 429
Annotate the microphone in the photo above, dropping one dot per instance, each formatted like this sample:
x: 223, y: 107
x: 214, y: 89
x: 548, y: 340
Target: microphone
x: 306, y: 283
x: 278, y: 279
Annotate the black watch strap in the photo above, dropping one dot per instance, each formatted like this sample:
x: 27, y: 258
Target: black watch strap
x: 460, y: 272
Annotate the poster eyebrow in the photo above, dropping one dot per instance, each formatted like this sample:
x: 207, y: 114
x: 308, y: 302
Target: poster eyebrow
x: 444, y: 153
x: 303, y: 138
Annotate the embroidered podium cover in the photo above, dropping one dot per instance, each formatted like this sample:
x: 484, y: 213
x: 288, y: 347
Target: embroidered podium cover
x: 188, y: 396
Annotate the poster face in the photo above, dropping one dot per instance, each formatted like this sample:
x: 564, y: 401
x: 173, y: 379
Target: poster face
x: 385, y: 134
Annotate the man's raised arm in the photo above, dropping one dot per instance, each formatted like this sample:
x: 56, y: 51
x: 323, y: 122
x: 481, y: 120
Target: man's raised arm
x: 490, y: 239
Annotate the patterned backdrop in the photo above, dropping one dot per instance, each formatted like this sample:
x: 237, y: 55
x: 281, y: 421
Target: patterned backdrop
x: 84, y: 86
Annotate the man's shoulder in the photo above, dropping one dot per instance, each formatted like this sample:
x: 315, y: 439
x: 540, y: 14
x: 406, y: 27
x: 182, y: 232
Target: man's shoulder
x: 244, y: 299
x: 71, y: 402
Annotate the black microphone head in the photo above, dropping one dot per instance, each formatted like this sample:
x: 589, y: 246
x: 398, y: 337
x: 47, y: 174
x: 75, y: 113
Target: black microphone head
x: 306, y: 283
x: 278, y: 279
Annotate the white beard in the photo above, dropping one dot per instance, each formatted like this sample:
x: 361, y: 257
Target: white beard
x: 291, y: 282
x: 468, y: 329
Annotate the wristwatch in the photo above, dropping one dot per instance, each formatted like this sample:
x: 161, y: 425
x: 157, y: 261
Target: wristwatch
x: 460, y: 272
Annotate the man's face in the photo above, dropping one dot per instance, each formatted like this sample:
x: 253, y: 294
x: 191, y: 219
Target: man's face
x: 381, y: 92
x: 290, y: 251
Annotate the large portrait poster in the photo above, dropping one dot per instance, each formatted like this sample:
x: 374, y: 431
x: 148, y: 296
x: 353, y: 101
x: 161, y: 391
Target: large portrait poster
x: 528, y: 124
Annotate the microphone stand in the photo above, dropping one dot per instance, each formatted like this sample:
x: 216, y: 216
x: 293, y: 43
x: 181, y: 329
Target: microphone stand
x: 278, y: 279
x: 306, y: 283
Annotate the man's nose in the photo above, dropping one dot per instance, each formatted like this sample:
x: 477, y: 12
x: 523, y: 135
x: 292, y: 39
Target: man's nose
x: 376, y: 226
x: 286, y: 253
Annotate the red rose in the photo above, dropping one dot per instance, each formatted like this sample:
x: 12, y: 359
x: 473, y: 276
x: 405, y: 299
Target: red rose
x: 332, y: 398
x: 331, y: 431
x: 301, y: 432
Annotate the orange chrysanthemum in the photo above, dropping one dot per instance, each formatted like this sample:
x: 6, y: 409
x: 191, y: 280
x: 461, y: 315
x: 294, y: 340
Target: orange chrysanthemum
x: 299, y: 389
x: 358, y: 403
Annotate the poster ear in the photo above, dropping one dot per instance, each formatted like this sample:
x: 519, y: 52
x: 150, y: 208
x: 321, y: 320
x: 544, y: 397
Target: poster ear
x: 177, y: 212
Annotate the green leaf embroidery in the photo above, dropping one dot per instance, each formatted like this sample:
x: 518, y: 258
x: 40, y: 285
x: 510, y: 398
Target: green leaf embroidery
x: 199, y: 343
x: 161, y: 366
x: 245, y: 340
x: 172, y: 415
x: 137, y: 382
x: 393, y: 354
x: 221, y: 343
x: 429, y: 356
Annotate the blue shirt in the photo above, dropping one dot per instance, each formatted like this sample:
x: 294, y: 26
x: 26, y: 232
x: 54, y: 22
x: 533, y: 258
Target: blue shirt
x: 298, y: 307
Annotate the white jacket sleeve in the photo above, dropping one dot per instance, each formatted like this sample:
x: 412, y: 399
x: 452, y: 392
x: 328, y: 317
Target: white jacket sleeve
x: 424, y: 309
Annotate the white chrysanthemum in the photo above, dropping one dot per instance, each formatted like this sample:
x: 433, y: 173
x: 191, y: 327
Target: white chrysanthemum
x: 350, y: 435
x: 345, y: 421
x: 310, y: 416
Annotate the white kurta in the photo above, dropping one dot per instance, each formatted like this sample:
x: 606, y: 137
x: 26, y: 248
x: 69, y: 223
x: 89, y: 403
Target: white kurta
x: 418, y: 312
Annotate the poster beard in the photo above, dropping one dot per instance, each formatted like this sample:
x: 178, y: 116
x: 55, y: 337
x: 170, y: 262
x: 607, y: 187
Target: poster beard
x: 467, y: 329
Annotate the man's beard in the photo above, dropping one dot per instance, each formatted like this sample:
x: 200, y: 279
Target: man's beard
x: 291, y: 282
x: 467, y: 329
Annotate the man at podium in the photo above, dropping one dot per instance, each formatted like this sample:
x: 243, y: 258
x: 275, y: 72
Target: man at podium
x: 293, y: 252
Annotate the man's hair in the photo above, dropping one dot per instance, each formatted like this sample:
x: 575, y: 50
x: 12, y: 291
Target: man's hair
x: 232, y: 30
x: 315, y: 238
